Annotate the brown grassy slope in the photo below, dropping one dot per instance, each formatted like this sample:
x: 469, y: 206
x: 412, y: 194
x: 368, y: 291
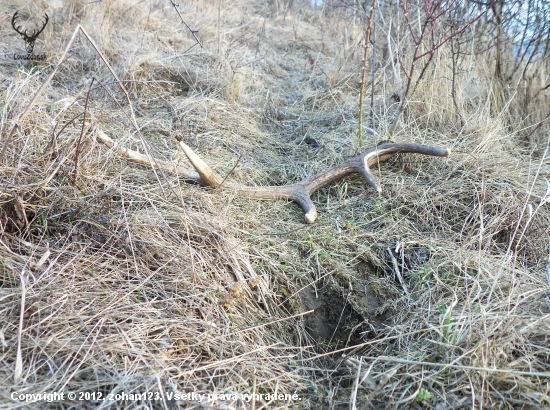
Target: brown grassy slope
x: 136, y: 282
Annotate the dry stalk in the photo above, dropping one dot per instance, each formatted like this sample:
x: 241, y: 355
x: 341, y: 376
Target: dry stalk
x: 193, y: 32
x: 368, y: 31
x: 125, y: 287
x: 79, y: 141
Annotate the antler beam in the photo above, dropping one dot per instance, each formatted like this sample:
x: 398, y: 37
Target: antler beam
x: 301, y: 192
x: 149, y: 161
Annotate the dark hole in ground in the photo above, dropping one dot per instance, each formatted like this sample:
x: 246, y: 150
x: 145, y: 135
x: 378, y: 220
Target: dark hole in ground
x: 341, y: 320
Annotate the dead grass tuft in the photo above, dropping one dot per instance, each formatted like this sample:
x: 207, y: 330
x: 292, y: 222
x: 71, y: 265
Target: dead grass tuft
x: 431, y: 295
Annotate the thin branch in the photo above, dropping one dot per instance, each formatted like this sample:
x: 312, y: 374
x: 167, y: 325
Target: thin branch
x: 8, y: 140
x: 527, y: 138
x: 194, y: 32
x: 457, y: 33
x: 368, y: 31
x: 81, y: 132
x: 230, y: 172
x: 402, y: 65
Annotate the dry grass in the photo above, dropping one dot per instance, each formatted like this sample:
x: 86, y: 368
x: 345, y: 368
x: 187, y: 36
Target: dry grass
x: 432, y: 294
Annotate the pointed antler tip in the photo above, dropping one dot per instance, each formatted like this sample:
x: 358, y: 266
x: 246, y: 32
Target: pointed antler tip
x: 208, y: 176
x: 311, y: 216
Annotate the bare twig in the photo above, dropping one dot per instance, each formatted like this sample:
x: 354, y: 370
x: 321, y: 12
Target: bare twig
x: 368, y: 31
x: 432, y: 14
x: 230, y: 172
x: 81, y: 132
x: 398, y: 273
x: 527, y: 138
x: 7, y: 142
x: 19, y: 360
x: 193, y: 32
x: 373, y: 70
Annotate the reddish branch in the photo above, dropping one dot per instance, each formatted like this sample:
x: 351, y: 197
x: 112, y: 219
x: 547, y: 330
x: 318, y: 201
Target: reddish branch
x: 432, y: 14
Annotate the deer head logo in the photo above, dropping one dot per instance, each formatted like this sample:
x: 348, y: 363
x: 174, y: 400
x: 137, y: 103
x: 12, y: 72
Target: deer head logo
x: 29, y: 38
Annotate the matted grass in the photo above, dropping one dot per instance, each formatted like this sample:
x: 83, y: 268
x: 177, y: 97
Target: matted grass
x: 432, y: 294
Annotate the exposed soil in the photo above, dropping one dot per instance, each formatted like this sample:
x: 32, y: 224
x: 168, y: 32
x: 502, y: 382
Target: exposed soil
x: 115, y: 277
x: 343, y: 318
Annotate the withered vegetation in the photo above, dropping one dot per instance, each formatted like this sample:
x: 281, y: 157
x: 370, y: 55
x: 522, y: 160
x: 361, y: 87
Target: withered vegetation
x: 115, y: 277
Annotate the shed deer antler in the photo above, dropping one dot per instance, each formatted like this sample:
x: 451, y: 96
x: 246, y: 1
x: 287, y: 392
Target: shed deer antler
x: 300, y: 192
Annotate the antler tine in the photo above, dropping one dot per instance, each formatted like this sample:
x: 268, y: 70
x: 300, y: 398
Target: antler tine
x: 369, y: 177
x: 385, y: 150
x: 208, y: 176
x: 301, y: 191
x: 143, y: 159
x: 301, y: 197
